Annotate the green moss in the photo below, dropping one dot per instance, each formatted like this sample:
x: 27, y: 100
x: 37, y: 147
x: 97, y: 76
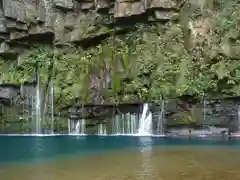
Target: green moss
x: 182, y: 118
x: 152, y: 62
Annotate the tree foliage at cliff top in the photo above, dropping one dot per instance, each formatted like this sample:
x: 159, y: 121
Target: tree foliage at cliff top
x: 197, y: 55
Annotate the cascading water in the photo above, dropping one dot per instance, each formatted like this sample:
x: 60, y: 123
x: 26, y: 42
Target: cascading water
x: 203, y: 131
x: 43, y: 110
x: 131, y: 124
x: 134, y: 122
x: 76, y: 127
x: 52, y: 106
x: 102, y: 130
x: 116, y: 127
x: 80, y: 127
x: 145, y: 123
x: 238, y: 133
x: 125, y: 124
x: 38, y: 118
x: 69, y: 126
x: 160, y: 127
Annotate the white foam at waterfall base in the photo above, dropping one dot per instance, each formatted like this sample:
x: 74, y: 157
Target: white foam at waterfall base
x: 145, y: 124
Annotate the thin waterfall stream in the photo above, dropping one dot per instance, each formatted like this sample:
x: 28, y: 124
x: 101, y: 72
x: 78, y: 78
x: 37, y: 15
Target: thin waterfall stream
x: 79, y: 127
x: 102, y: 129
x: 136, y: 119
x: 160, y: 127
x: 145, y: 124
x: 238, y: 118
x: 125, y: 124
x: 133, y: 123
x: 40, y: 109
x: 52, y: 106
x: 203, y: 127
x: 38, y: 105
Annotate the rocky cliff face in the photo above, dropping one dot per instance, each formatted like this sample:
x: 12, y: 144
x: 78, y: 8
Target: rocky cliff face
x: 181, y: 47
x: 61, y: 21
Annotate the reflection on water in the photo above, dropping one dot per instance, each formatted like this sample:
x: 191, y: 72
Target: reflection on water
x: 172, y: 163
x: 38, y: 148
x: 181, y: 163
x: 147, y: 167
x: 146, y: 160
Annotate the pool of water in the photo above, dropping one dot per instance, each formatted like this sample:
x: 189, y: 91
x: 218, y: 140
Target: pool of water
x: 117, y: 158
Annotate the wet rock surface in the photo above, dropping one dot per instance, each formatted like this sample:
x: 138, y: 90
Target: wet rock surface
x: 180, y: 117
x: 8, y: 93
x: 71, y: 20
x: 102, y: 111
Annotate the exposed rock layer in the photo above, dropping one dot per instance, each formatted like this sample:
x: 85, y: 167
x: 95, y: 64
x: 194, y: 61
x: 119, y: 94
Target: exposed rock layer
x: 61, y: 21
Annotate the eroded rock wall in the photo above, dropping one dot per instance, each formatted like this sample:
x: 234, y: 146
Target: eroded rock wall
x: 64, y: 21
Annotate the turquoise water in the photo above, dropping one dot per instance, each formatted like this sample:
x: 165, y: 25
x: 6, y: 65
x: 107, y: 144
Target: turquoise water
x: 118, y: 158
x: 19, y: 149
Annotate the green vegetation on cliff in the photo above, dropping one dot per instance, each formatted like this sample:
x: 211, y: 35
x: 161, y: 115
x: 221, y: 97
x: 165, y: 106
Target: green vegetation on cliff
x: 197, y: 54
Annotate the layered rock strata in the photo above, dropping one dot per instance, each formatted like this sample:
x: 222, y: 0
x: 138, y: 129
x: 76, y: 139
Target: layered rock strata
x: 71, y: 21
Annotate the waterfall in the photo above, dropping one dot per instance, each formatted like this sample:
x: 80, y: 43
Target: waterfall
x: 122, y: 122
x: 238, y: 120
x: 76, y: 127
x: 38, y: 105
x: 130, y: 124
x: 203, y: 131
x: 52, y: 106
x: 134, y: 122
x: 145, y: 122
x: 80, y: 127
x: 116, y: 128
x: 125, y: 124
x: 69, y: 126
x: 43, y: 110
x: 160, y: 128
x: 204, y: 111
x: 102, y: 130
